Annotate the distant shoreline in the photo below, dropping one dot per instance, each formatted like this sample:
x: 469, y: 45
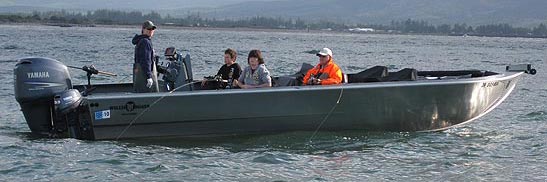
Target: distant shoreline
x: 257, y: 29
x: 118, y: 18
x: 176, y: 27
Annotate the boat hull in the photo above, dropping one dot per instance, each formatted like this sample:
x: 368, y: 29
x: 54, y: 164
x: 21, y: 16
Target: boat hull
x: 424, y: 105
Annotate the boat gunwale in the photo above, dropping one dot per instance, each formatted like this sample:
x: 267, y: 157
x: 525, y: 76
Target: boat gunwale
x: 365, y: 85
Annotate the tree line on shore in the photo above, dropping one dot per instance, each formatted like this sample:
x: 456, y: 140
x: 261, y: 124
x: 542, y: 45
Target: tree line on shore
x: 109, y: 17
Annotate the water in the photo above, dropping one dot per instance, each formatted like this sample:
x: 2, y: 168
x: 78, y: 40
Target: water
x: 508, y: 144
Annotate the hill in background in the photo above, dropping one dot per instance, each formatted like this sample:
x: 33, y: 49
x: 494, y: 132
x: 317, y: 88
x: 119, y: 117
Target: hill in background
x: 472, y: 12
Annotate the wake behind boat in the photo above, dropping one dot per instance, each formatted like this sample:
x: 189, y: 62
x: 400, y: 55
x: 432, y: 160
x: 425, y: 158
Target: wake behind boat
x: 372, y: 100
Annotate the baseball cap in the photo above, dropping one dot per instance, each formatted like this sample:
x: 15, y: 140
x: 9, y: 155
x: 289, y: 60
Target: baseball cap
x: 149, y: 25
x: 325, y: 51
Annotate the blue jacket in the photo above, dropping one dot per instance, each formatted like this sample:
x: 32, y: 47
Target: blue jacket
x: 144, y: 54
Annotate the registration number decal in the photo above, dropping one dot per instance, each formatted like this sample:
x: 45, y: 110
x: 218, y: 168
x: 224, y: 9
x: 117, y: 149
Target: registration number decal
x: 105, y: 114
x: 490, y: 84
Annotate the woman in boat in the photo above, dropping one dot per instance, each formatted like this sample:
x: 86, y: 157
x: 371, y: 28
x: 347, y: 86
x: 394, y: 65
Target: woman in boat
x: 326, y: 72
x: 256, y: 75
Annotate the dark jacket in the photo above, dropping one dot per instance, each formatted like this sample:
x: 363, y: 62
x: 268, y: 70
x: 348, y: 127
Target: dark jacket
x: 144, y: 54
x: 225, y: 71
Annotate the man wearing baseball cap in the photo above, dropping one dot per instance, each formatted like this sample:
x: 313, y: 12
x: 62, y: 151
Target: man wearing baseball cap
x: 144, y: 69
x: 326, y: 72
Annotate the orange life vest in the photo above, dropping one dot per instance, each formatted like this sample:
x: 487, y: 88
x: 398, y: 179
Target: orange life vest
x: 329, y: 74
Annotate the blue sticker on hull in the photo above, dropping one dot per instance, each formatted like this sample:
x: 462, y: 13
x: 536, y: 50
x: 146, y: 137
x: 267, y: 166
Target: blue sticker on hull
x: 105, y: 114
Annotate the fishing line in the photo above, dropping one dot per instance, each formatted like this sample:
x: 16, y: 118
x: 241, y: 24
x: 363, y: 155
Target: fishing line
x: 126, y: 76
x: 148, y: 108
x: 327, y: 116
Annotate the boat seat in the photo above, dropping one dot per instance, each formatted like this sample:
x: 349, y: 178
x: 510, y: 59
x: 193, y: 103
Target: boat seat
x: 374, y: 74
x: 407, y: 74
x: 292, y: 80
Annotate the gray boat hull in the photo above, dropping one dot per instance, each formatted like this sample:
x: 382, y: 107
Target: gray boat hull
x: 423, y: 105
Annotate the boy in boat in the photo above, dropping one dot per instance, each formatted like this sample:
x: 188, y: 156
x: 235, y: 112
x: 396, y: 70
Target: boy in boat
x: 230, y: 71
x: 255, y: 75
x: 326, y: 72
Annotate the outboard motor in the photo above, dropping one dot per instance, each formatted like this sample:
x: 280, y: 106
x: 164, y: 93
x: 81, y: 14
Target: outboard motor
x: 66, y: 116
x: 37, y: 82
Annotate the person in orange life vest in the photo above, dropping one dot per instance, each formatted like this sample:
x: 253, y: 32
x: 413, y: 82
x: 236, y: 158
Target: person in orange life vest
x: 326, y: 72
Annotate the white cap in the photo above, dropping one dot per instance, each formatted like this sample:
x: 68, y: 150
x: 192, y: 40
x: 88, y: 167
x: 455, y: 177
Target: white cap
x: 325, y: 51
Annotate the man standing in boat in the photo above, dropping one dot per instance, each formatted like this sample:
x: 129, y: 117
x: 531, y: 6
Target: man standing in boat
x: 326, y: 72
x: 144, y: 69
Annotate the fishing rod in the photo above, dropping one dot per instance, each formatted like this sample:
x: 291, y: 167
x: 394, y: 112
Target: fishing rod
x: 91, y: 70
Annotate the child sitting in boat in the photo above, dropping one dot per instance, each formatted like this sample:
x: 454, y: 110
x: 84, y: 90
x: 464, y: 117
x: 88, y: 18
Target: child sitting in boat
x: 256, y: 75
x: 230, y: 71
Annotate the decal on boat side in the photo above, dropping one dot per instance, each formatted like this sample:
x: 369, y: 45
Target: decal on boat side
x: 104, y: 114
x: 129, y: 106
x: 490, y: 84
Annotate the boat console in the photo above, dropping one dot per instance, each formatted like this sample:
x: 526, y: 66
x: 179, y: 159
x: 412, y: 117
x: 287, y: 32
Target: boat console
x: 177, y: 71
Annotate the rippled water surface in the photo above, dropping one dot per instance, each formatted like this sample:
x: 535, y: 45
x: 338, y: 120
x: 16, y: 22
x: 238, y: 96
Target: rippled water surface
x: 508, y: 144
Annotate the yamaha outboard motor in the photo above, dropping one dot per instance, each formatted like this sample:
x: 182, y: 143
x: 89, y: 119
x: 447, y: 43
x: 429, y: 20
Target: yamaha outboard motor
x: 37, y: 82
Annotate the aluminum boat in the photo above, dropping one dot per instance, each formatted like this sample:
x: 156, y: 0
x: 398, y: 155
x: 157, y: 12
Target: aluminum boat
x: 366, y: 101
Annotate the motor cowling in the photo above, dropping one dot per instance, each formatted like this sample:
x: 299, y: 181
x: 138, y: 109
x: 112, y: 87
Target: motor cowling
x: 37, y: 81
x: 67, y: 101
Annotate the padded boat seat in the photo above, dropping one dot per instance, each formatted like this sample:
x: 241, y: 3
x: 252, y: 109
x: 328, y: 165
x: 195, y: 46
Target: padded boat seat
x: 407, y: 74
x: 374, y: 74
x: 294, y: 79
